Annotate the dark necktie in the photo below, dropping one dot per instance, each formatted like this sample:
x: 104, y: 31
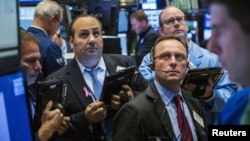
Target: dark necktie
x: 138, y: 45
x: 186, y: 134
x: 97, y: 86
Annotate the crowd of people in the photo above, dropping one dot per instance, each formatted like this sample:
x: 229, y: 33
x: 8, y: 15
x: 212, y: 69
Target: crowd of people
x: 153, y: 105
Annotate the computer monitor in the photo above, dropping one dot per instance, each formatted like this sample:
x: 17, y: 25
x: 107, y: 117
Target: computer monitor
x: 9, y: 44
x: 149, y: 5
x: 153, y: 18
x: 186, y: 4
x: 207, y: 30
x: 15, y: 118
x: 26, y: 14
x: 123, y: 43
x: 123, y: 22
x: 29, y: 0
x: 107, y: 12
x: 192, y: 29
x: 111, y: 45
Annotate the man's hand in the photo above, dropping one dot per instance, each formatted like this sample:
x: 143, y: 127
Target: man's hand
x: 126, y: 94
x: 51, y: 120
x: 208, y: 90
x: 115, y: 102
x: 95, y: 112
x: 129, y: 91
x: 64, y: 125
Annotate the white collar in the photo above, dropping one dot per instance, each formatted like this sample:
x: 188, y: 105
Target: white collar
x: 100, y: 64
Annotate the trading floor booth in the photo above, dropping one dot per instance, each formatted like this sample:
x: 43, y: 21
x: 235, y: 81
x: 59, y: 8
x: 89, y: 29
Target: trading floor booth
x: 14, y: 106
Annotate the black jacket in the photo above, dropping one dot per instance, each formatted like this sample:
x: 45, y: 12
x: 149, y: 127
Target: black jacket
x: 76, y: 100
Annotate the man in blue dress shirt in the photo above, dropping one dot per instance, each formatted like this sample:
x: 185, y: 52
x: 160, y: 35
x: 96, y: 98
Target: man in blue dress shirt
x: 230, y: 40
x: 153, y: 114
x: 172, y: 22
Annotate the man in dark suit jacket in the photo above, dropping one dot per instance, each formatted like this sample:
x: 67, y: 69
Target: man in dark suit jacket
x: 47, y: 19
x: 147, y: 35
x: 152, y: 115
x: 51, y: 120
x: 88, y: 115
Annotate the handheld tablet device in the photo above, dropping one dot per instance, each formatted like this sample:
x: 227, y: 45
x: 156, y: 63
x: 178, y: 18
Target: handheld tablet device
x: 199, y: 77
x: 113, y: 83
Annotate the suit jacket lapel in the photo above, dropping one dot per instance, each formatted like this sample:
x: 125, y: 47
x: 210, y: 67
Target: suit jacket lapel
x: 160, y: 110
x: 110, y: 64
x: 193, y: 106
x: 74, y: 77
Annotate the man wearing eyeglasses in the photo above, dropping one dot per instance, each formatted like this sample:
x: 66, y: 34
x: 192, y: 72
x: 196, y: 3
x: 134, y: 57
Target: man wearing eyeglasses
x: 163, y: 111
x: 47, y: 19
x: 172, y: 22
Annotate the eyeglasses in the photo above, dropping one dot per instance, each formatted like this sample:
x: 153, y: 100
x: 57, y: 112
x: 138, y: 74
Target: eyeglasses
x: 167, y: 56
x: 171, y: 21
x: 58, y: 20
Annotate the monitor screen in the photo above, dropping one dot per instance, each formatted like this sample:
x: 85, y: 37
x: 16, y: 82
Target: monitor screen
x: 111, y: 45
x: 9, y: 41
x: 207, y: 30
x: 123, y: 42
x: 8, y: 26
x: 26, y: 15
x: 186, y: 4
x: 192, y: 29
x: 29, y: 2
x: 15, y: 119
x: 123, y: 22
x: 153, y: 18
x: 149, y: 6
x: 107, y: 12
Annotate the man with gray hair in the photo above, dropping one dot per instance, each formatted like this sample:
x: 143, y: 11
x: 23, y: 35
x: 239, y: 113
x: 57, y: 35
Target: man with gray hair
x: 47, y: 19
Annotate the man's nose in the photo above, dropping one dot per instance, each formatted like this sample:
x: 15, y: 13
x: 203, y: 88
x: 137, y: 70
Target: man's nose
x: 91, y: 39
x: 176, y: 24
x: 38, y: 66
x: 172, y: 61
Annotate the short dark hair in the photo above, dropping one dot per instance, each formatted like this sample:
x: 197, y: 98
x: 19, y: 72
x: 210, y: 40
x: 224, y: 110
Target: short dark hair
x: 238, y: 10
x: 139, y: 16
x: 28, y: 37
x: 161, y: 38
x: 71, y: 31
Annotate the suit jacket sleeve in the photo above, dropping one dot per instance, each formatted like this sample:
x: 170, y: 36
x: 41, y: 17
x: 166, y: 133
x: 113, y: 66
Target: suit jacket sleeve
x: 138, y: 83
x: 124, y: 130
x: 148, y: 43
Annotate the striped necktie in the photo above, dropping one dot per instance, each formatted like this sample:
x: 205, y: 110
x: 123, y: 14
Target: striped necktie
x: 186, y: 134
x: 97, y: 85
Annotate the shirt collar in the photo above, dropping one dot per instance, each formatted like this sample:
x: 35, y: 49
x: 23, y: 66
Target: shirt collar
x: 165, y: 93
x: 100, y: 65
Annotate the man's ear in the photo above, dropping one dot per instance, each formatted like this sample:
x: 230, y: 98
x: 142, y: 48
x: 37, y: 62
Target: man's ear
x: 161, y: 30
x: 51, y: 20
